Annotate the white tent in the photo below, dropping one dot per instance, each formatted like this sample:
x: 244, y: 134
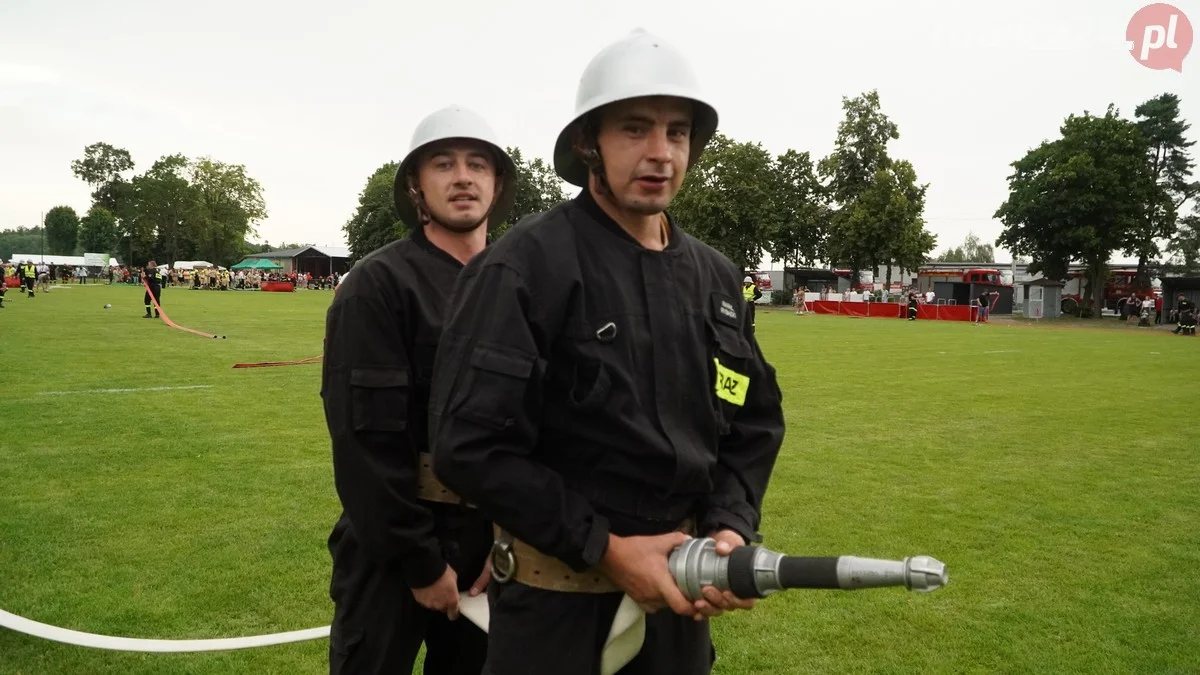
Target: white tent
x: 191, y: 264
x: 72, y: 260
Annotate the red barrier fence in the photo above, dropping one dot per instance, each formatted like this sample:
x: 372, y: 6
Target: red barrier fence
x: 278, y: 286
x: 892, y: 310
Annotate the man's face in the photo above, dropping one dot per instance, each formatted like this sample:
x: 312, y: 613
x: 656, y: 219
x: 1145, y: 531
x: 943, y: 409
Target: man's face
x: 458, y: 181
x: 645, y: 144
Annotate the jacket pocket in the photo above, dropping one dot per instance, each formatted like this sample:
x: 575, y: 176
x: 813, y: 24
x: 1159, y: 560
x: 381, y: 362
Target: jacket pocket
x: 729, y: 358
x: 380, y: 398
x: 493, y: 394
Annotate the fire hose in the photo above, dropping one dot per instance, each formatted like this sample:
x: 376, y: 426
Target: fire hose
x: 748, y: 572
x: 167, y: 320
x: 267, y: 364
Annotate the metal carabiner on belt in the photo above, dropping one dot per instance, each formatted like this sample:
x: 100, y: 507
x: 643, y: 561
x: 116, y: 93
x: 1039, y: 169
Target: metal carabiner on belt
x: 504, y: 562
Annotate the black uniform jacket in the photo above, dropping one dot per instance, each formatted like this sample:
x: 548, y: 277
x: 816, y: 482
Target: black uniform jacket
x: 381, y: 335
x: 585, y: 384
x: 153, y: 278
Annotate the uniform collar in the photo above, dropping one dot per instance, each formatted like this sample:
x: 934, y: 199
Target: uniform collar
x: 588, y: 203
x: 418, y: 237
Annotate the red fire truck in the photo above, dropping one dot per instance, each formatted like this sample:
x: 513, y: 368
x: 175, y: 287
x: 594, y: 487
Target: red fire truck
x: 1118, y: 287
x: 981, y: 277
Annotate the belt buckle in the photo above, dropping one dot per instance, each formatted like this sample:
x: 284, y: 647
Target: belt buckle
x: 504, y: 562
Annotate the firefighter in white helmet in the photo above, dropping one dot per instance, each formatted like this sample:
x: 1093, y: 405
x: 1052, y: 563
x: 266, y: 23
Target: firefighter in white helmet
x: 750, y: 293
x: 405, y: 547
x: 599, y: 392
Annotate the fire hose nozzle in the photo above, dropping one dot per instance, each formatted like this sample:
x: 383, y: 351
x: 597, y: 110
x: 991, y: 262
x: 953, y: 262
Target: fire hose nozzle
x: 755, y: 572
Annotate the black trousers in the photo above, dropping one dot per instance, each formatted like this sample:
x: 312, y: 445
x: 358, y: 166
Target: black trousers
x: 750, y: 308
x: 378, y: 626
x: 537, y: 631
x: 157, y: 298
x: 30, y: 282
x: 382, y: 629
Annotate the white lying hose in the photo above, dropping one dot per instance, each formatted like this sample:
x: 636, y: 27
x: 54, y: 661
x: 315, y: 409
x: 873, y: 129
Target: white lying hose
x: 124, y: 644
x: 474, y: 609
x: 624, y: 639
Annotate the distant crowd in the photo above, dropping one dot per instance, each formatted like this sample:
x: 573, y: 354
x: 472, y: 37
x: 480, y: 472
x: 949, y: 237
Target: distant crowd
x: 204, y: 278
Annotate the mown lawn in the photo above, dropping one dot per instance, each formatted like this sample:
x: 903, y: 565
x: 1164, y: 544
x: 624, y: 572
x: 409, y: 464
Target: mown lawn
x: 1052, y: 470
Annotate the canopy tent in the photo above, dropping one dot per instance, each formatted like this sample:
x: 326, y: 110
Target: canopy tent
x: 192, y: 264
x: 264, y: 264
x: 247, y: 264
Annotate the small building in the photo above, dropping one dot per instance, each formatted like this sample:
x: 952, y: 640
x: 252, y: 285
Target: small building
x: 811, y: 279
x: 1173, y: 287
x: 1042, y: 298
x: 318, y: 261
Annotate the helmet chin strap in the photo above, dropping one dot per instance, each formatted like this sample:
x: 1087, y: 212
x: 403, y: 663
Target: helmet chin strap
x: 588, y: 146
x: 425, y: 216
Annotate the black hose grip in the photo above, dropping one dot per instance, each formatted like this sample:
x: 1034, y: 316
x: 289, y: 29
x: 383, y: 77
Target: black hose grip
x: 741, y: 573
x: 807, y: 572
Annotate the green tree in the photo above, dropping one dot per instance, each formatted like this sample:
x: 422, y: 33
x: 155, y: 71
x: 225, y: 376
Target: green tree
x: 62, y: 230
x: 801, y: 211
x: 727, y: 200
x: 861, y: 147
x: 539, y: 189
x: 877, y: 202
x: 20, y: 240
x: 973, y: 249
x: 98, y: 230
x: 228, y: 204
x: 1168, y: 153
x: 884, y: 223
x: 375, y: 221
x: 167, y: 209
x: 1185, y: 246
x: 102, y: 163
x: 907, y: 243
x: 1078, y: 197
x: 102, y: 167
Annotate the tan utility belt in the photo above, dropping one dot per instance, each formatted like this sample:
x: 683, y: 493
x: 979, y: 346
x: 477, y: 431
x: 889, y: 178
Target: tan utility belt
x: 514, y: 560
x: 430, y: 488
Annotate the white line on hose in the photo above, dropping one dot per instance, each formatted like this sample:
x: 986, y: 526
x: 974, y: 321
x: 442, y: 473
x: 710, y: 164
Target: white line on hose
x: 122, y: 391
x: 124, y: 644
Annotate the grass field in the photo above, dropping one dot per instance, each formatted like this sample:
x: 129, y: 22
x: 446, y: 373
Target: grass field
x: 1052, y: 470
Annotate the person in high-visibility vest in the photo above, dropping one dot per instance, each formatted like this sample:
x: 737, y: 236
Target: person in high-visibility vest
x: 751, y: 293
x: 28, y: 276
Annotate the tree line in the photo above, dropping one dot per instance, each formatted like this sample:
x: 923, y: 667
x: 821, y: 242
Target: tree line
x: 178, y: 209
x: 1107, y: 185
x: 857, y: 208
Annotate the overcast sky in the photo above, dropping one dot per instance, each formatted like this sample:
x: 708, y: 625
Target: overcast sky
x: 313, y: 96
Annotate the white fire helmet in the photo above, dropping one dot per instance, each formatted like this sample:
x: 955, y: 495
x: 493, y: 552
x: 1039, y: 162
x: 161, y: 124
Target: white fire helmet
x: 455, y: 121
x: 638, y: 65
